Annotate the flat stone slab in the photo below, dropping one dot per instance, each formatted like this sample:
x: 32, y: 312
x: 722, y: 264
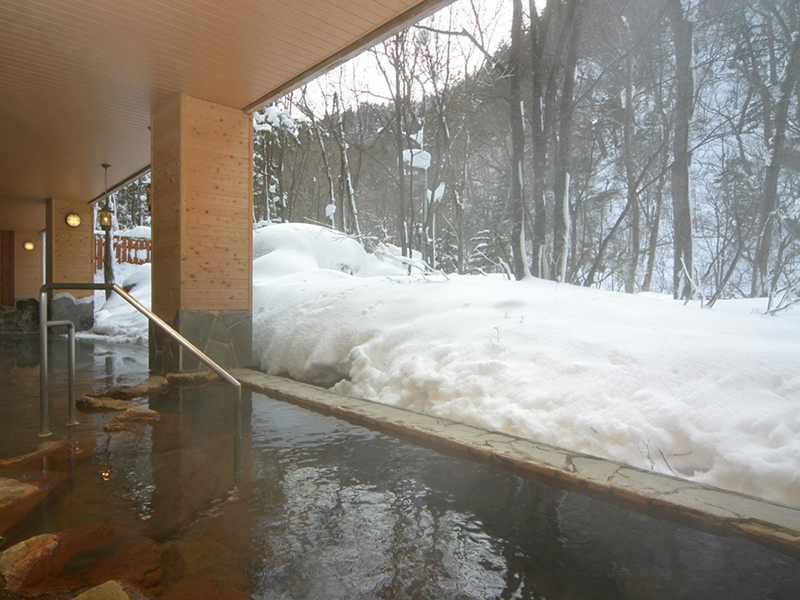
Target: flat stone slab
x: 110, y: 590
x: 656, y: 494
x: 80, y: 557
x: 149, y: 387
x: 19, y: 497
x: 102, y: 404
x: 195, y: 378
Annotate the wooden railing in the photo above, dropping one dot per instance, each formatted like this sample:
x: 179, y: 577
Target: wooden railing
x: 135, y: 251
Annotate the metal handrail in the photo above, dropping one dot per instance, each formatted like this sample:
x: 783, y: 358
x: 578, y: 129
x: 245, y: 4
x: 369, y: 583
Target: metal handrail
x: 43, y: 367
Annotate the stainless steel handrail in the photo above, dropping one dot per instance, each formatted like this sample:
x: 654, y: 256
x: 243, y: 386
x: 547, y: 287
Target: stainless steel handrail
x: 43, y: 367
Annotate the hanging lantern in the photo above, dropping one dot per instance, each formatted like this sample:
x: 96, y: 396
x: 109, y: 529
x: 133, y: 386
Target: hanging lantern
x: 105, y: 217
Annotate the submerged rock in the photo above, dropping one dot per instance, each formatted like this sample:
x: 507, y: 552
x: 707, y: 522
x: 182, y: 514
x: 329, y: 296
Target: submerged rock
x: 92, y: 404
x: 26, y: 562
x: 149, y: 387
x: 132, y: 418
x: 194, y: 378
x: 33, y: 459
x: 82, y: 556
x: 110, y: 590
x: 57, y: 454
x: 203, y: 589
x: 18, y: 497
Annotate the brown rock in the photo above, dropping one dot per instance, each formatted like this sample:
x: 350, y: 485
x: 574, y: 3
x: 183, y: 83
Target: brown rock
x: 200, y: 556
x: 12, y: 490
x: 136, y: 560
x: 24, y: 462
x: 19, y: 497
x: 92, y: 404
x: 58, y: 455
x: 151, y: 386
x: 26, y: 562
x: 195, y: 378
x: 132, y: 418
x: 203, y: 589
x: 110, y: 590
x: 91, y: 554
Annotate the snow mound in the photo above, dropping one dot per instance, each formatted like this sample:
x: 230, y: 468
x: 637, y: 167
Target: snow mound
x: 140, y: 231
x: 118, y: 319
x: 708, y: 395
x: 286, y: 248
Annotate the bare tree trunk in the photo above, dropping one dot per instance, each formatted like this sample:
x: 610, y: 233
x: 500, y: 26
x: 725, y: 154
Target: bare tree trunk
x: 518, y: 245
x: 681, y: 208
x: 325, y: 162
x: 539, y: 29
x: 631, y: 183
x: 564, y: 147
x: 348, y: 193
x: 400, y: 143
x: 767, y: 209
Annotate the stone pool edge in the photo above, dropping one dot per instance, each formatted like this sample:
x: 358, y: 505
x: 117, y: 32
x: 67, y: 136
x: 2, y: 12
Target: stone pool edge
x: 663, y: 496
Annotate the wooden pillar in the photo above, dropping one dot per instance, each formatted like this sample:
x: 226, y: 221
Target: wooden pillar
x: 202, y: 232
x: 70, y: 256
x: 70, y: 259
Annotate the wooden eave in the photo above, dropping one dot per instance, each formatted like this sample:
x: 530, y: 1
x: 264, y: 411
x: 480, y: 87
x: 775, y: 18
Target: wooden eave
x: 81, y: 78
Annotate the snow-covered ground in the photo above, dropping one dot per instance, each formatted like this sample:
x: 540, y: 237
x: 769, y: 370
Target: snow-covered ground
x: 711, y: 395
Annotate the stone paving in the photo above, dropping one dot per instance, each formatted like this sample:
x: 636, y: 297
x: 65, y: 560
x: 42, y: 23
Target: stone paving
x: 658, y: 495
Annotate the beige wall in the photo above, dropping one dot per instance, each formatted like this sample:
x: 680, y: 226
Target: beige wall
x: 28, y: 264
x: 202, y: 208
x: 26, y: 218
x: 70, y: 250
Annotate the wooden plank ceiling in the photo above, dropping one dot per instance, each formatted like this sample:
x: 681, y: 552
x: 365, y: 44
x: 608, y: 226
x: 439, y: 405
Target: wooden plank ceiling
x: 79, y: 79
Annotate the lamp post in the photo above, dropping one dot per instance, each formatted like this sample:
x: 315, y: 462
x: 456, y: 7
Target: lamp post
x: 106, y: 220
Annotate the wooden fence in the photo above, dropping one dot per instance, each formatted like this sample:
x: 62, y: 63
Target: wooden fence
x: 136, y: 251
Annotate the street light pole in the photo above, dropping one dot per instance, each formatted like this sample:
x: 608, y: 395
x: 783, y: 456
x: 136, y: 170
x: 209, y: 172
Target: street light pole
x: 106, y: 221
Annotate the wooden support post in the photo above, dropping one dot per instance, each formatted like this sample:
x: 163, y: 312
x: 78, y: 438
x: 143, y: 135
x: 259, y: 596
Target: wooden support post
x: 202, y: 232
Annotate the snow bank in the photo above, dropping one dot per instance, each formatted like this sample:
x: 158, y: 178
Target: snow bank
x: 294, y: 247
x: 116, y: 318
x: 140, y: 231
x: 710, y: 395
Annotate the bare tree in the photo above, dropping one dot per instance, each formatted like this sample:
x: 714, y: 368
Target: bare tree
x: 681, y: 207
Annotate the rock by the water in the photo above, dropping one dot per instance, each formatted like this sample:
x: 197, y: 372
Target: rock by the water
x: 20, y: 497
x: 26, y: 563
x: 152, y: 385
x: 195, y: 378
x: 84, y: 556
x: 203, y: 589
x: 92, y: 404
x: 110, y: 590
x: 131, y: 419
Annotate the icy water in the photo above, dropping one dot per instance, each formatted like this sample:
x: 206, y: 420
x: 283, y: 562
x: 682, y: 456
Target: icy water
x: 322, y: 509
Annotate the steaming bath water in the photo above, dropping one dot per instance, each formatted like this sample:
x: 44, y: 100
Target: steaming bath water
x: 325, y: 509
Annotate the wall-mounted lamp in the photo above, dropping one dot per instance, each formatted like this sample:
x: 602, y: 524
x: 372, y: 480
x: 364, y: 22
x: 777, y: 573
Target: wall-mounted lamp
x: 28, y: 245
x: 73, y: 219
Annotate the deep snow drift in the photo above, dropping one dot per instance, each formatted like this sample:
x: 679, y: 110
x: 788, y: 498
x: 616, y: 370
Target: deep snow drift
x: 712, y: 395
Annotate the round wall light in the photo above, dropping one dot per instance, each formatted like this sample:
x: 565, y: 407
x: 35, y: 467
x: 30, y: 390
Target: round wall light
x: 28, y: 245
x: 73, y: 220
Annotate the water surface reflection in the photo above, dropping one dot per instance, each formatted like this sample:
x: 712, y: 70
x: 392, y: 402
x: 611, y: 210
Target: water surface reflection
x: 343, y: 512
